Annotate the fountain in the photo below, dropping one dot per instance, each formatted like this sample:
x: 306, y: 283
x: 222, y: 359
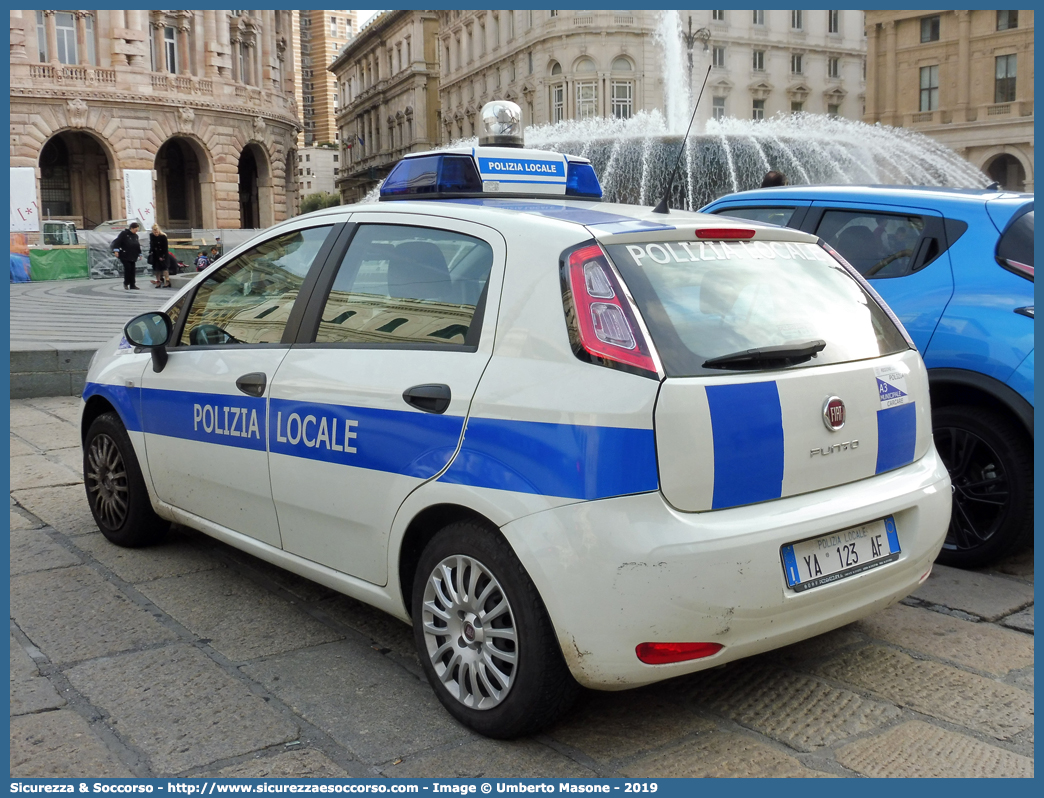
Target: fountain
x: 632, y: 157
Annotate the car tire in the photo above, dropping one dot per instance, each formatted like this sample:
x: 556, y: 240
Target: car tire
x: 991, y: 469
x: 501, y: 674
x: 116, y: 491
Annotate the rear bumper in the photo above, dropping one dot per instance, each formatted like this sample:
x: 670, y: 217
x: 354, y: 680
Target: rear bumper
x: 618, y: 572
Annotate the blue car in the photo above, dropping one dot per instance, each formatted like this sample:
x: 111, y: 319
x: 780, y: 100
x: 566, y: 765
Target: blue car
x: 956, y: 266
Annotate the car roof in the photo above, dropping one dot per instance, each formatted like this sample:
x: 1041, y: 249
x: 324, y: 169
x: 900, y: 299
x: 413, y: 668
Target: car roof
x: 930, y: 194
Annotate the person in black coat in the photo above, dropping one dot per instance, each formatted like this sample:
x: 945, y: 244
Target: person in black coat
x: 127, y: 248
x: 159, y: 253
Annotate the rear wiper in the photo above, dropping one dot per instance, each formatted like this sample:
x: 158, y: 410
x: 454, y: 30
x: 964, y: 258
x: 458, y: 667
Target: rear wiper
x: 780, y: 356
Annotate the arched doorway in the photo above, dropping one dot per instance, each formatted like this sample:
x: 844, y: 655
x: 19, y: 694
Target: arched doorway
x: 1008, y: 171
x: 74, y: 180
x: 255, y: 188
x: 179, y: 201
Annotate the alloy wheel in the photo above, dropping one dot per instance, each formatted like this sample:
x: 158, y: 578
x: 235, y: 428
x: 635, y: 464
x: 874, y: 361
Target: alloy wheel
x: 980, y: 487
x: 106, y: 476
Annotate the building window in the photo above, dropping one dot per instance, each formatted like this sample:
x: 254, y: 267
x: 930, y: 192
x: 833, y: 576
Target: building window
x: 796, y: 107
x: 335, y: 158
x: 833, y: 109
x: 1004, y: 91
x: 718, y: 108
x: 586, y: 99
x: 552, y: 14
x: 930, y: 29
x: 66, y: 29
x: 797, y: 20
x: 833, y: 67
x: 833, y: 21
x: 796, y: 63
x: 170, y: 50
x: 530, y: 60
x: 557, y: 103
x: 930, y: 88
x: 41, y: 37
x: 759, y: 61
x: 759, y: 110
x: 1006, y: 20
x: 333, y: 26
x: 718, y: 16
x: 92, y: 57
x: 719, y: 57
x: 759, y: 17
x: 622, y: 99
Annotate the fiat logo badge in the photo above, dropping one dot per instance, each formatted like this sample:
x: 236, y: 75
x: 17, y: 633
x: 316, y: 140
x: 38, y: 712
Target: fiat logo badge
x: 834, y: 413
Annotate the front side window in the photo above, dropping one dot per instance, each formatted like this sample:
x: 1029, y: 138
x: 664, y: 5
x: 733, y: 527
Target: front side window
x: 929, y: 29
x: 878, y: 245
x: 400, y: 284
x: 1004, y: 89
x: 769, y: 215
x: 930, y: 88
x: 248, y: 300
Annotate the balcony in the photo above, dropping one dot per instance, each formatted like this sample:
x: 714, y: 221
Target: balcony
x: 180, y: 84
x: 83, y: 75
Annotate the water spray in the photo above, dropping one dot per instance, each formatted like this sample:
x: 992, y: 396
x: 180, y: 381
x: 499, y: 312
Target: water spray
x: 662, y: 207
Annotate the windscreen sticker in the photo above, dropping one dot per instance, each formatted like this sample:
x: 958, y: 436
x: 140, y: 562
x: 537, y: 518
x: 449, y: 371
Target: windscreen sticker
x: 891, y: 386
x: 692, y: 251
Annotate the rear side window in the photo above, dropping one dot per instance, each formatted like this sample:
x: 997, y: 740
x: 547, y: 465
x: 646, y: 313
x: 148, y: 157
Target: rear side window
x: 707, y: 299
x: 399, y: 284
x: 878, y: 245
x: 1015, y: 247
x: 776, y: 215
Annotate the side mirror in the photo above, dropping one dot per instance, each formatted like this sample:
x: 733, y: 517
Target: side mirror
x: 151, y: 331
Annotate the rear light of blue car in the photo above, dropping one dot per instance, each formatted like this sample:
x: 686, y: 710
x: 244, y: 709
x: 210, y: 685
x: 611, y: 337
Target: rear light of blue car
x: 603, y: 326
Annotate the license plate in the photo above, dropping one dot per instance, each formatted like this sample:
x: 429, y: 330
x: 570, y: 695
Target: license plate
x: 819, y: 561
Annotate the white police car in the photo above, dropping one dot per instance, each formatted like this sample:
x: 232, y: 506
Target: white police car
x: 571, y: 442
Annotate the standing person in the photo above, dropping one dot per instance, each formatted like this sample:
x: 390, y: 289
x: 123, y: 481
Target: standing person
x: 214, y: 254
x: 127, y: 248
x: 202, y: 261
x: 158, y: 253
x: 774, y: 178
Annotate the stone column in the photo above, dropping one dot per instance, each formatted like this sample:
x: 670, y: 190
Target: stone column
x: 51, y: 30
x: 248, y: 61
x: 210, y: 38
x: 158, y: 47
x: 963, y: 63
x: 235, y: 44
x: 267, y: 48
x: 891, y: 111
x: 81, y: 36
x: 135, y: 38
x: 873, y: 84
x: 184, y: 59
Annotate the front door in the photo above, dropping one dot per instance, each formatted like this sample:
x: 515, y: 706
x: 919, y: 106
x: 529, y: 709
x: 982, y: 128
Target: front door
x: 205, y: 415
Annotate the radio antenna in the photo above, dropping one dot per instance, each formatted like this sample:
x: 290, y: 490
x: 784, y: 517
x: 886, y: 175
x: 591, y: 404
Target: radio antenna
x: 662, y: 207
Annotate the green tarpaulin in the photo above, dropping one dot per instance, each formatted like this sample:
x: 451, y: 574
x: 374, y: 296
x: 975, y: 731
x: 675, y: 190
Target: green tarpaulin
x: 60, y: 263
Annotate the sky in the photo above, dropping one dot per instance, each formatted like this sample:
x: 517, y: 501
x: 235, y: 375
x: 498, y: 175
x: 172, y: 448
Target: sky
x: 364, y: 16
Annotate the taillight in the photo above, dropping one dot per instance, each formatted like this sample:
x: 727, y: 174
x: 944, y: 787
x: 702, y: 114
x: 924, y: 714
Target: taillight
x: 725, y: 232
x: 604, y: 327
x: 665, y: 653
x: 1013, y: 266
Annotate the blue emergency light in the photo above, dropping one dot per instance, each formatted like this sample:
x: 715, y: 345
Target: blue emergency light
x: 501, y: 170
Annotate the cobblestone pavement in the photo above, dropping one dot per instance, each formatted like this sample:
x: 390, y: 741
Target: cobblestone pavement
x: 193, y: 659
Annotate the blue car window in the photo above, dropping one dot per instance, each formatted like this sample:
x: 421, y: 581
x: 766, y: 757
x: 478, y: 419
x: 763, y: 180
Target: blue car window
x: 770, y: 215
x: 878, y: 245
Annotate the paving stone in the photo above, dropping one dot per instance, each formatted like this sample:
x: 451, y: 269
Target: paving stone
x: 62, y: 508
x: 179, y: 707
x: 180, y: 553
x: 52, y: 435
x: 1025, y: 681
x: 793, y: 708
x: 380, y: 627
x: 362, y: 699
x: 65, y: 407
x: 303, y: 589
x: 20, y: 447
x: 33, y: 550
x: 985, y: 595
x: 612, y: 726
x: 240, y: 619
x: 30, y: 692
x: 920, y: 750
x: 71, y: 458
x: 73, y: 614
x: 982, y: 646
x: 1018, y: 564
x: 297, y: 764
x: 1023, y: 621
x: 934, y: 689
x: 518, y: 759
x: 19, y: 520
x: 719, y: 754
x: 815, y: 648
x: 60, y: 745
x: 24, y: 415
x: 36, y: 471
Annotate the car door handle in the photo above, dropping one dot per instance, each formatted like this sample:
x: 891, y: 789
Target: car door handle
x: 429, y: 398
x: 252, y: 384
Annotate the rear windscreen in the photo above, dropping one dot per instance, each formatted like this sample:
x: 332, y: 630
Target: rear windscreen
x: 708, y: 299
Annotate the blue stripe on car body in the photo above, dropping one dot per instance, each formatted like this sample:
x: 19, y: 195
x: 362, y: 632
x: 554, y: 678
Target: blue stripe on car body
x: 125, y: 400
x: 747, y: 428
x: 896, y: 436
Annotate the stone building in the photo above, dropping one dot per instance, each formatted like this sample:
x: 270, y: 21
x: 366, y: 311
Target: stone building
x: 323, y: 34
x: 317, y: 169
x: 201, y: 102
x: 962, y: 77
x: 388, y: 82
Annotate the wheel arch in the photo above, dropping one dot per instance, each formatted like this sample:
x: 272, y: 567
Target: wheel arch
x: 960, y: 387
x: 95, y: 406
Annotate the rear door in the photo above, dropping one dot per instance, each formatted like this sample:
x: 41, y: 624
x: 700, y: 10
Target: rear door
x: 902, y: 251
x: 372, y: 400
